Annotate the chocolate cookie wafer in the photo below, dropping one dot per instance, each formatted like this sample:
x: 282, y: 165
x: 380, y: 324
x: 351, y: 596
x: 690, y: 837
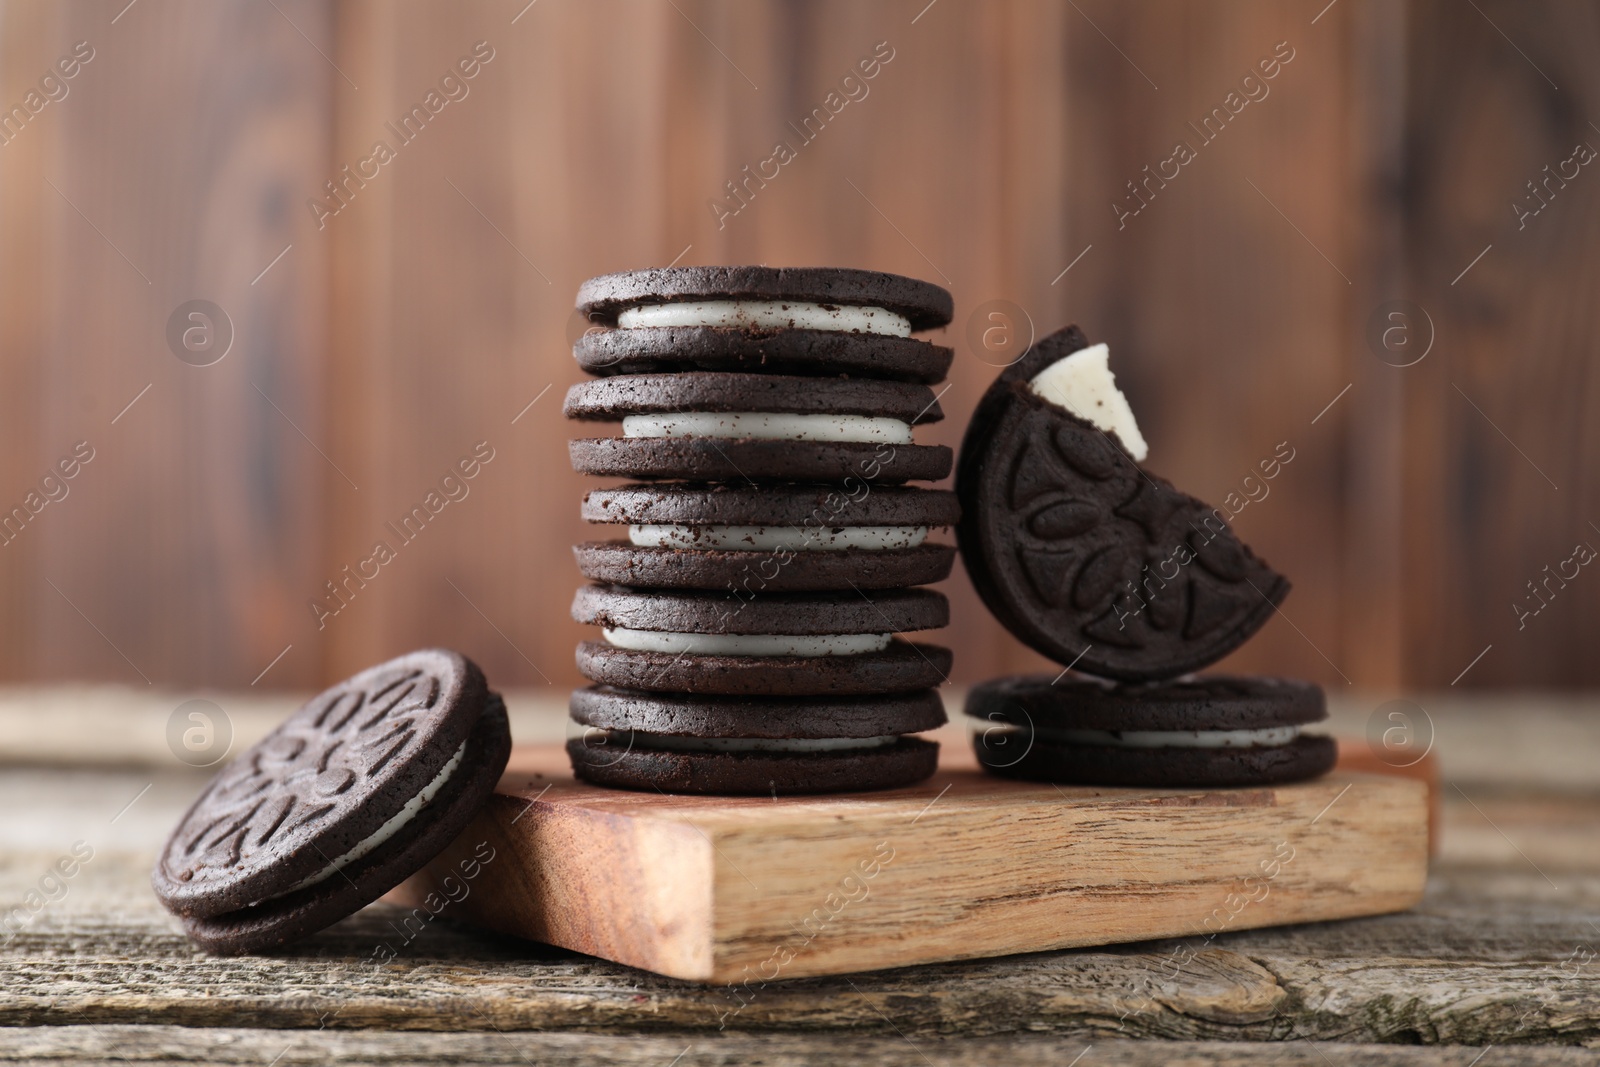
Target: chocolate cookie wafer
x: 1209, y: 731
x: 1081, y: 552
x: 356, y: 791
x: 705, y: 744
x: 778, y: 645
x: 772, y: 539
x: 705, y: 426
x: 808, y: 320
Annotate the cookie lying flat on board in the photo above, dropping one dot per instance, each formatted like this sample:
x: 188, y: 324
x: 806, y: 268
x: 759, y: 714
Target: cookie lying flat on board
x: 700, y: 744
x: 1217, y: 730
x: 704, y: 426
x: 352, y: 794
x: 1079, y: 551
x: 772, y: 539
x: 797, y: 320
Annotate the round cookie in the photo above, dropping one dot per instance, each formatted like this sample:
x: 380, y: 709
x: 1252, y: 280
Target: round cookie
x: 816, y: 353
x: 350, y: 795
x: 1087, y: 557
x: 625, y: 710
x: 276, y: 922
x: 804, y: 506
x: 753, y: 426
x: 1203, y: 702
x: 746, y: 459
x: 901, y: 667
x: 905, y: 762
x: 926, y: 305
x: 697, y: 612
x: 612, y: 399
x: 747, y: 572
x: 1211, y: 731
x: 744, y: 540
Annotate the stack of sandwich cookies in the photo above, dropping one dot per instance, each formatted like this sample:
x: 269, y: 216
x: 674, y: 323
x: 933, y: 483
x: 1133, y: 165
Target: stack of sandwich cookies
x: 1114, y: 573
x: 751, y: 618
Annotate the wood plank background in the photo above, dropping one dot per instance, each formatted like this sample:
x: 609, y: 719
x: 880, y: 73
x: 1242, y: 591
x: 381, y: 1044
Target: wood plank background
x: 389, y: 339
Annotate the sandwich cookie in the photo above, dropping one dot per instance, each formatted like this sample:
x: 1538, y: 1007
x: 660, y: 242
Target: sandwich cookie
x: 709, y: 426
x: 769, y: 539
x: 1217, y: 730
x: 783, y: 645
x: 1077, y: 549
x: 807, y: 320
x: 348, y: 797
x: 707, y: 744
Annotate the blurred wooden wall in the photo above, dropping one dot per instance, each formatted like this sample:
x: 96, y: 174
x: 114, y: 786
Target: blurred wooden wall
x: 376, y: 346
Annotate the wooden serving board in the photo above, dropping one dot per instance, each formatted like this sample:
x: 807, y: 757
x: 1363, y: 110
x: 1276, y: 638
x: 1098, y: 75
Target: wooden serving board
x: 750, y: 890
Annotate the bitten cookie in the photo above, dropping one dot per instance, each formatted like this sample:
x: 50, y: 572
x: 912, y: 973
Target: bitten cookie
x: 1077, y: 549
x: 704, y: 744
x: 352, y: 794
x: 1208, y: 731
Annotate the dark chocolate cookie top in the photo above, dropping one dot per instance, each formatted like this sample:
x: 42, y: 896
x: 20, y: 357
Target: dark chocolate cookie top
x: 323, y: 782
x: 1209, y: 702
x: 815, y: 353
x: 925, y: 304
x: 703, y: 715
x: 690, y: 611
x: 610, y: 399
x: 1086, y: 556
x: 751, y: 571
x: 806, y: 506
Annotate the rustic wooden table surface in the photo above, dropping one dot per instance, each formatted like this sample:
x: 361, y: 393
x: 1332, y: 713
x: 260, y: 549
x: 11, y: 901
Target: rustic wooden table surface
x: 1497, y: 966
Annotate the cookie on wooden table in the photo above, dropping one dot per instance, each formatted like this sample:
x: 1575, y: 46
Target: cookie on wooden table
x: 352, y: 794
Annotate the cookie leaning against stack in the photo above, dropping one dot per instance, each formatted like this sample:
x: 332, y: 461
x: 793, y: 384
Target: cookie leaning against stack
x: 1114, y: 573
x: 750, y: 615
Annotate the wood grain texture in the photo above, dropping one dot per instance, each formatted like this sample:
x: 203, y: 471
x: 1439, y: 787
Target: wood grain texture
x: 428, y: 313
x: 1500, y: 461
x: 745, y: 891
x: 1464, y: 968
x: 1487, y: 956
x: 170, y: 171
x: 172, y: 1044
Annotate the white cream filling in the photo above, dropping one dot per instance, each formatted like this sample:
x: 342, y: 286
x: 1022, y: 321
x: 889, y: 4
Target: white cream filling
x: 769, y: 426
x: 790, y: 538
x: 1270, y: 736
x: 681, y: 743
x: 808, y: 645
x: 768, y: 314
x: 387, y: 830
x: 1084, y: 385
